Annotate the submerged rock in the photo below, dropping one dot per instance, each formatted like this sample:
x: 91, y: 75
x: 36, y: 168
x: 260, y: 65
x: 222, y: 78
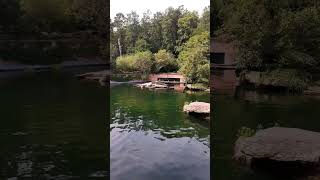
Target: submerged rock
x: 197, y: 107
x: 285, y: 146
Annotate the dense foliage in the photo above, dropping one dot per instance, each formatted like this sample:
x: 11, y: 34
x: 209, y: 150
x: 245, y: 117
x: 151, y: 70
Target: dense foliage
x: 272, y: 34
x: 141, y: 62
x: 80, y: 28
x: 33, y: 16
x: 165, y: 61
x: 178, y: 39
x: 193, y: 59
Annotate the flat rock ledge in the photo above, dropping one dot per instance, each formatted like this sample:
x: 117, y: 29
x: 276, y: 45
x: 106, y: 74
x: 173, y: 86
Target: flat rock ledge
x: 153, y: 85
x: 285, y: 145
x: 100, y: 76
x: 197, y: 108
x: 312, y: 90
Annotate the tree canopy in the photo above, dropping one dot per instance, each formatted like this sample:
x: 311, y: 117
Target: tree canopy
x: 271, y: 34
x: 33, y: 16
x: 193, y: 59
x: 177, y: 37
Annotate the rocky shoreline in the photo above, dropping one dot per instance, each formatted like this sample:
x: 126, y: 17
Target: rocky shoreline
x: 153, y: 85
x: 100, y: 76
x: 81, y: 62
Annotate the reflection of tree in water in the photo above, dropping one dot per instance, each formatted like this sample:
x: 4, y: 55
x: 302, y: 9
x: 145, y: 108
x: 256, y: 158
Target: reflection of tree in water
x: 47, y: 161
x: 188, y: 128
x: 160, y: 112
x: 41, y: 134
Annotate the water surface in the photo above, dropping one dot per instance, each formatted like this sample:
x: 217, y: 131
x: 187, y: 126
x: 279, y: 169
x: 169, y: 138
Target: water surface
x: 255, y: 110
x: 152, y: 139
x: 53, y: 126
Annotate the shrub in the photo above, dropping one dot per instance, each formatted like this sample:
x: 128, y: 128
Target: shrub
x: 165, y: 61
x: 139, y: 62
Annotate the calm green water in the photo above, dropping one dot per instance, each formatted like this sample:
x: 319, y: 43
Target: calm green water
x: 53, y: 126
x: 152, y: 139
x: 252, y: 109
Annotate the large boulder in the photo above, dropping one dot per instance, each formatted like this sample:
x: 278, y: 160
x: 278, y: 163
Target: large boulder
x: 280, y: 144
x: 197, y: 107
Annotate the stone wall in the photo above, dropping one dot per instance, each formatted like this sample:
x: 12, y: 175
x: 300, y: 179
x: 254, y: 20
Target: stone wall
x: 220, y: 46
x: 154, y: 77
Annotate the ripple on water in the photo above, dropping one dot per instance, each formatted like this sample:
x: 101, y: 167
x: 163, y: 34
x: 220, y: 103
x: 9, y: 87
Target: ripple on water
x: 151, y: 138
x: 142, y: 156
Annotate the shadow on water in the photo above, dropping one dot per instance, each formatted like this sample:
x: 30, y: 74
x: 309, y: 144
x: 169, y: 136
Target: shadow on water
x: 53, y: 126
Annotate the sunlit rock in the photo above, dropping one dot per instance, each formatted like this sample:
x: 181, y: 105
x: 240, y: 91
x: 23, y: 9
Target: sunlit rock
x: 197, y: 107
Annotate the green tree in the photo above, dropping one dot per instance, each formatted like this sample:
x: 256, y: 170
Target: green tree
x: 164, y: 33
x: 217, y: 7
x: 194, y: 59
x: 141, y: 45
x: 204, y: 21
x: 146, y: 23
x: 45, y: 15
x: 118, y: 35
x: 133, y: 29
x: 92, y: 14
x: 165, y: 61
x: 170, y: 28
x: 280, y: 34
x: 156, y: 36
x: 299, y: 45
x: 10, y: 14
x: 186, y: 26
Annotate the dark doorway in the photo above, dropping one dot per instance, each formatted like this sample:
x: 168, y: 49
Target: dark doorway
x: 217, y: 58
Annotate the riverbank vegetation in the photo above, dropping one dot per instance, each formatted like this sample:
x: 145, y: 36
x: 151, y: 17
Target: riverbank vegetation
x: 272, y: 36
x: 176, y: 40
x: 32, y: 16
x: 47, y: 31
